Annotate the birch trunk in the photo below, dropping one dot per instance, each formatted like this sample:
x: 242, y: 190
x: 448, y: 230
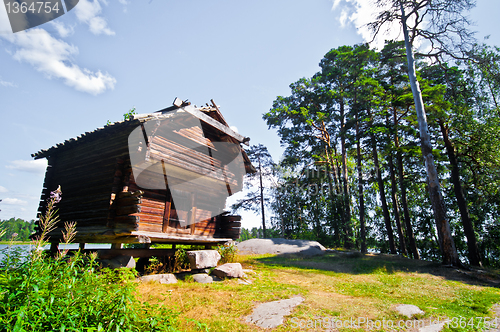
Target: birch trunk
x: 446, y: 243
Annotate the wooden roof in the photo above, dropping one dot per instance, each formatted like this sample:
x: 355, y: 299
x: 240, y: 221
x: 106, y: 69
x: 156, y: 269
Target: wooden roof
x: 209, y: 115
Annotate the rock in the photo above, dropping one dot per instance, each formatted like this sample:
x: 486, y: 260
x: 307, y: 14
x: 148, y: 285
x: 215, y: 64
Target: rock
x: 280, y: 246
x: 433, y: 327
x: 201, y: 259
x: 271, y: 314
x: 166, y: 278
x: 228, y: 270
x: 408, y: 310
x: 245, y: 282
x: 495, y: 321
x: 119, y: 261
x: 203, y: 278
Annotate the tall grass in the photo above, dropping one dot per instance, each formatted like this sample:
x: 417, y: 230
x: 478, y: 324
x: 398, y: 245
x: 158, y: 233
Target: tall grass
x: 70, y: 293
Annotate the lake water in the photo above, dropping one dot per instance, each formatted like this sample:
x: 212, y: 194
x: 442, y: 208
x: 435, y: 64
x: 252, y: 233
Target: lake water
x: 28, y: 247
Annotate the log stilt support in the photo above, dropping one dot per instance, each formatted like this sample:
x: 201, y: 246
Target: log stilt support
x: 54, y: 247
x: 81, y: 246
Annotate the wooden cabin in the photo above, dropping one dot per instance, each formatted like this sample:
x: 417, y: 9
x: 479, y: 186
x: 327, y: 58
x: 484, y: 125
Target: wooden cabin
x: 161, y: 177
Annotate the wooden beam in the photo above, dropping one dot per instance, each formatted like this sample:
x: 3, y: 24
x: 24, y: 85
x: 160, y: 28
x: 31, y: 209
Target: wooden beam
x: 215, y: 124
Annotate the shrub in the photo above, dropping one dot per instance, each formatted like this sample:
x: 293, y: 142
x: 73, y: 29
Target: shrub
x: 69, y: 293
x: 181, y: 260
x: 227, y: 252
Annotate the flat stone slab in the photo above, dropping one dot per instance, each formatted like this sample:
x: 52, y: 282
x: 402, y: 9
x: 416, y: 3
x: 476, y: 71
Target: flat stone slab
x: 202, y: 259
x: 271, y: 314
x: 229, y: 270
x: 434, y: 327
x: 408, y: 310
x: 166, y: 278
x: 495, y: 322
x: 280, y: 246
x: 203, y: 278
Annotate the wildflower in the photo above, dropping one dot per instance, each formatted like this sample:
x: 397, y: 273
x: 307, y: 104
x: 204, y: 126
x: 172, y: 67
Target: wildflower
x: 56, y: 195
x: 14, y: 235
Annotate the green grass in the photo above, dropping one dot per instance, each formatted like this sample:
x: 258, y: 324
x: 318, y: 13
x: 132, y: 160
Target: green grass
x: 337, y: 285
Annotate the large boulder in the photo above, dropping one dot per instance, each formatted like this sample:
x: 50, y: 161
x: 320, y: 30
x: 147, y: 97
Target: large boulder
x: 201, y: 259
x: 280, y: 246
x: 229, y: 270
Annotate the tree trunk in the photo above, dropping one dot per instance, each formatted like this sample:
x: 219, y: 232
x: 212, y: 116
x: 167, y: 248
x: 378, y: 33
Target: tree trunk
x: 385, y: 210
x: 262, y: 202
x: 347, y: 198
x: 404, y: 201
x: 474, y: 256
x: 333, y: 197
x: 360, y: 190
x: 395, y: 205
x: 447, y: 245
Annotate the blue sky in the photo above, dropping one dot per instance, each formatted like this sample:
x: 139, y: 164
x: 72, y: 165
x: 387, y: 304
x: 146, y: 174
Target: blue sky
x: 72, y: 75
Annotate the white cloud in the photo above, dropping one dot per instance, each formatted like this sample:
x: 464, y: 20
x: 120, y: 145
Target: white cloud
x: 63, y: 30
x: 7, y: 84
x: 335, y: 4
x: 343, y: 18
x: 53, y: 57
x: 31, y: 166
x: 362, y: 12
x: 3, y: 189
x: 13, y: 201
x: 88, y: 12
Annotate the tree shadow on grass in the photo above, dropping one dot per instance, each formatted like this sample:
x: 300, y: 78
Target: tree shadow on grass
x: 354, y: 262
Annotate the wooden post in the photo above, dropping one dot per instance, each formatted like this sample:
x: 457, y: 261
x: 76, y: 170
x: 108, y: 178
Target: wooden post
x: 192, y: 213
x: 116, y: 245
x: 166, y: 216
x: 54, y: 247
x: 81, y: 246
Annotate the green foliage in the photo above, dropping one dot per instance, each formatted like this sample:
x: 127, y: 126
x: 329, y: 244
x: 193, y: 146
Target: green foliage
x: 126, y: 116
x: 227, y: 252
x: 18, y: 226
x: 39, y: 292
x: 70, y: 294
x: 181, y: 260
x: 360, y: 105
x: 129, y: 114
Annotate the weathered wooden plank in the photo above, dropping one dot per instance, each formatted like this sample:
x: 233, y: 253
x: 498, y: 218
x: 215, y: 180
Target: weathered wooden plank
x: 214, y: 123
x: 129, y: 209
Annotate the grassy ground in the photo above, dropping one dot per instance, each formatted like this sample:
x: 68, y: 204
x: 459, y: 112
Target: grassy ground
x: 338, y: 285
